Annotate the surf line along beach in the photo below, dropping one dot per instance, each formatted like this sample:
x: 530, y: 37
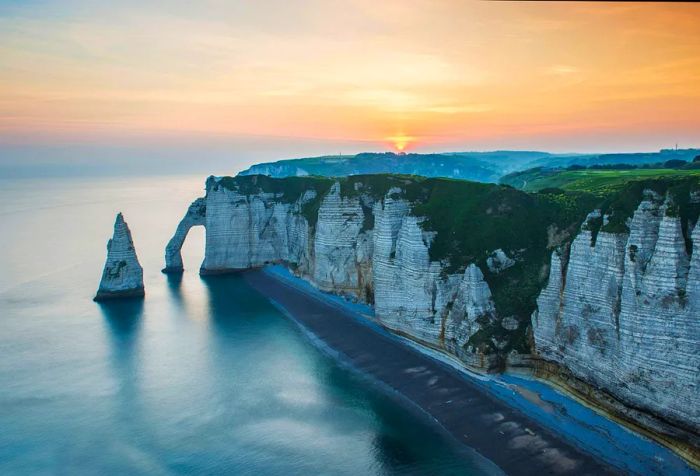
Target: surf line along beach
x: 517, y: 444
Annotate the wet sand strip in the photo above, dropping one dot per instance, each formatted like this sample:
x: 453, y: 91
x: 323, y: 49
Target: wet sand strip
x: 510, y: 439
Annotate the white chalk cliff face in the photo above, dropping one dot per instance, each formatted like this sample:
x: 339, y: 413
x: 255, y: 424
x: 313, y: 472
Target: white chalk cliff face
x: 340, y: 253
x: 367, y: 248
x: 413, y: 296
x: 122, y: 275
x: 623, y: 314
x: 246, y: 231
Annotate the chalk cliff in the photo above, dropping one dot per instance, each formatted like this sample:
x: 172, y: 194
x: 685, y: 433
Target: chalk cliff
x: 621, y: 312
x: 122, y: 275
x: 364, y: 243
x: 496, y: 277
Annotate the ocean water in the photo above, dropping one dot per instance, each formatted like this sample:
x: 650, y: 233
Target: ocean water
x: 203, y: 377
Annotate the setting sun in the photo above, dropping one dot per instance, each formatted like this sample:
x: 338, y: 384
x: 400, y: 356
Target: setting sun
x: 400, y: 141
x: 573, y: 73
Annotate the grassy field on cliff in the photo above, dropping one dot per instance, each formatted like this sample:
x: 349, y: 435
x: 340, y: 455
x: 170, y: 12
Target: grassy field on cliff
x: 598, y: 182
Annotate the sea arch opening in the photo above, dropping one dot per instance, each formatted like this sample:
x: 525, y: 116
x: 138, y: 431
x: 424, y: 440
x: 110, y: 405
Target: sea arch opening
x: 195, y: 217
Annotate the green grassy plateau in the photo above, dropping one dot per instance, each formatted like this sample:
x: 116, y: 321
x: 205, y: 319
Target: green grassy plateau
x: 599, y: 182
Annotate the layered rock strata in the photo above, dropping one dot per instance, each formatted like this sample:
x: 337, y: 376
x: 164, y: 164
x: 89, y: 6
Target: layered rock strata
x: 621, y: 312
x: 122, y: 276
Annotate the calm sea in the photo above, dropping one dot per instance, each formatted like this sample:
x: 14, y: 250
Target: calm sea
x: 203, y: 377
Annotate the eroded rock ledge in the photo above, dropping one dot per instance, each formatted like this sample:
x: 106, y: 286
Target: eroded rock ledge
x: 496, y: 277
x: 122, y: 276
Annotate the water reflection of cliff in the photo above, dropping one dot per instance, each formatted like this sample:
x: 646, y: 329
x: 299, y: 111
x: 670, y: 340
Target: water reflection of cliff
x: 123, y: 320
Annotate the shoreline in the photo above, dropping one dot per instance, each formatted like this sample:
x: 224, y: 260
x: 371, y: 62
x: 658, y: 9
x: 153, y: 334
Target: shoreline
x: 560, y: 418
x: 580, y: 394
x: 476, y: 459
x: 475, y: 418
x: 561, y: 379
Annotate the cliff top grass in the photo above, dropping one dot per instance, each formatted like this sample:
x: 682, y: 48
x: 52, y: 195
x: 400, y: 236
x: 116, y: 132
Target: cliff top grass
x: 290, y: 189
x: 601, y: 182
x: 620, y: 206
x: 620, y: 188
x: 370, y: 188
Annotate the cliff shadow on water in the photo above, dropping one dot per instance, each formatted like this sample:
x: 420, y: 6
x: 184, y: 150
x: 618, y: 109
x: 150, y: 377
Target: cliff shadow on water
x: 123, y: 318
x: 175, y: 286
x: 229, y: 297
x: 124, y: 322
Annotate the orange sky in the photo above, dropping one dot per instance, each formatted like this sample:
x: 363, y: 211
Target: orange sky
x: 435, y: 75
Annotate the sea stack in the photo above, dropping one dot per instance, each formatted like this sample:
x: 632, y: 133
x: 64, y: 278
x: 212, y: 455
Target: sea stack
x: 123, y: 275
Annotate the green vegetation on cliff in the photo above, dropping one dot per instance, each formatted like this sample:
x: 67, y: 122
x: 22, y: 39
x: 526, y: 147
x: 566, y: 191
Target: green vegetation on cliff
x: 620, y: 190
x: 601, y: 182
x: 286, y: 190
x: 620, y: 206
x: 473, y: 220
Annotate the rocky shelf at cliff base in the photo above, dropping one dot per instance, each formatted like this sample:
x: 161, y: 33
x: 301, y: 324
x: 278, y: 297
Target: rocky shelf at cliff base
x: 122, y: 276
x: 495, y: 277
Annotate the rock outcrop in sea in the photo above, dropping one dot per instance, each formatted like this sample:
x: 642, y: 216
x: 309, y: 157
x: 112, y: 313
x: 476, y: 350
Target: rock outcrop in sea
x: 610, y: 311
x: 122, y: 276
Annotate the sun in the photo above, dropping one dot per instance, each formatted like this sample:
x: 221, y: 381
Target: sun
x: 400, y: 141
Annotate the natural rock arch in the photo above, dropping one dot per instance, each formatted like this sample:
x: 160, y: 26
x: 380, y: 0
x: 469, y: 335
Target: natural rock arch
x: 195, y: 216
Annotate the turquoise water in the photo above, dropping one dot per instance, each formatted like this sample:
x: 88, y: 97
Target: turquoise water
x: 203, y: 377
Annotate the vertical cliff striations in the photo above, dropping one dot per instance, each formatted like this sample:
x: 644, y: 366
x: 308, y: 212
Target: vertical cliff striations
x: 122, y: 275
x: 620, y: 316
